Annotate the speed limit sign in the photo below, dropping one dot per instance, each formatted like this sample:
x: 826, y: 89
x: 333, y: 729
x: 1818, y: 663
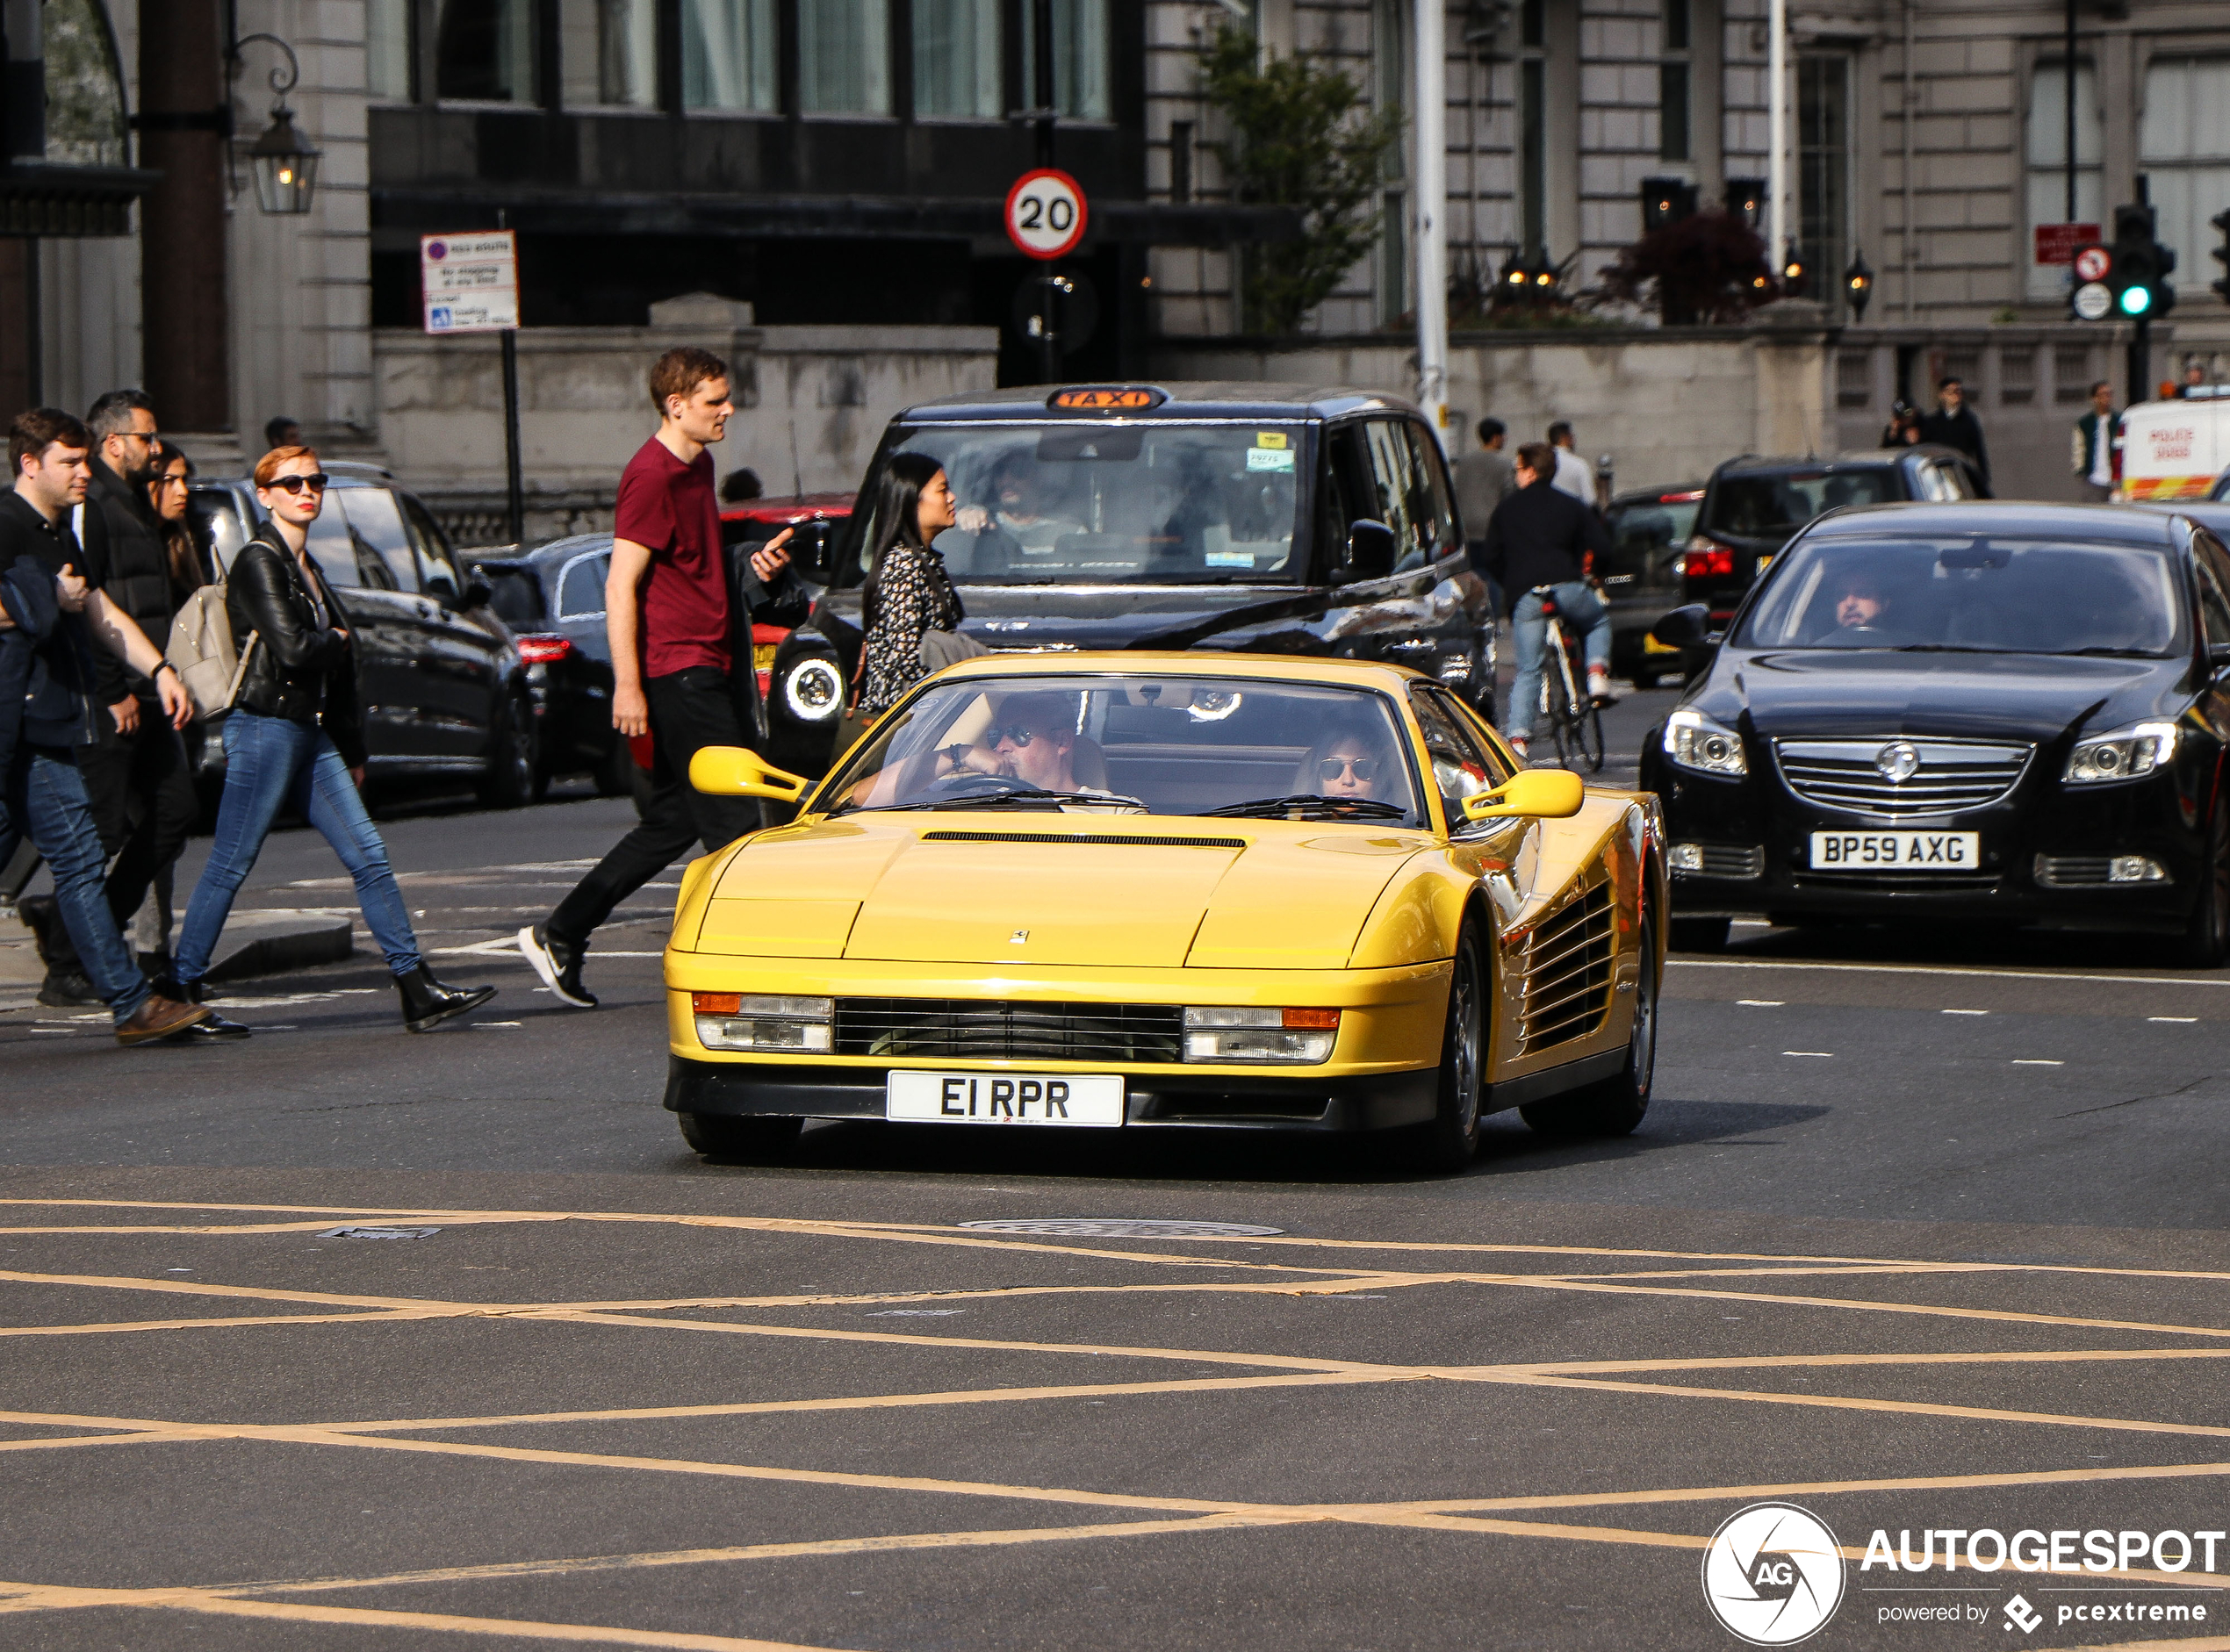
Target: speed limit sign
x: 1046, y: 213
x: 2092, y: 263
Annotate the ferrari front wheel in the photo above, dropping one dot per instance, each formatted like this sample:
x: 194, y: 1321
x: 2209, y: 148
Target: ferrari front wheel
x: 720, y: 1136
x: 1614, y: 1106
x: 1447, y: 1144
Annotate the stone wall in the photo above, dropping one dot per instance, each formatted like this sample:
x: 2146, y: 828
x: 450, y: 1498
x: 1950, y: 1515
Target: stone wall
x: 810, y: 403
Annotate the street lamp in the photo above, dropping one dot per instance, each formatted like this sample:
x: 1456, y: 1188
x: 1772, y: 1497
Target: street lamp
x: 1858, y: 282
x: 283, y: 161
x: 1792, y: 271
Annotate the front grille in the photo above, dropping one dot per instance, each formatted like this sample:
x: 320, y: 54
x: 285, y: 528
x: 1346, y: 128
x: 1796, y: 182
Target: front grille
x: 1566, y: 971
x: 2073, y: 872
x: 977, y: 1029
x: 1901, y: 882
x: 1952, y: 775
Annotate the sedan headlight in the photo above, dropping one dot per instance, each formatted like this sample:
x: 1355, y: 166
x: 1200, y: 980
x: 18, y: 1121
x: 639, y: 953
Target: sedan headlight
x: 1695, y: 742
x: 1260, y: 1038
x: 753, y: 1021
x: 2123, y: 755
x: 813, y: 689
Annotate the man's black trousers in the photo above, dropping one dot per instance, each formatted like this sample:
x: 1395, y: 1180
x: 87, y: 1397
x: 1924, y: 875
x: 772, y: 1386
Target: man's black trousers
x: 689, y: 710
x: 142, y: 796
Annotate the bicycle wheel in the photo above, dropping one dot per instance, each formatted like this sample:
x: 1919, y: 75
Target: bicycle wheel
x: 1591, y: 737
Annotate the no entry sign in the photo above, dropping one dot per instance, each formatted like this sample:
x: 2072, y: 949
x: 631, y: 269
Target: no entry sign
x: 1046, y: 213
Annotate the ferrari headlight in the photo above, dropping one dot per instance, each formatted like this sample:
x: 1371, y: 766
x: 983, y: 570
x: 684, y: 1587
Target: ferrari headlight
x: 753, y: 1021
x: 813, y: 689
x: 2124, y: 755
x: 1260, y: 1038
x: 1695, y: 742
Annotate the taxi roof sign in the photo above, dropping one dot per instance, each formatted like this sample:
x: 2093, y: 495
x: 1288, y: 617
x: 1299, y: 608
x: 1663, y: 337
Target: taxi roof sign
x: 1107, y: 399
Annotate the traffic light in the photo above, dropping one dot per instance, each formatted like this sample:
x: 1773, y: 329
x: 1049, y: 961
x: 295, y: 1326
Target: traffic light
x: 2141, y: 266
x: 2221, y: 254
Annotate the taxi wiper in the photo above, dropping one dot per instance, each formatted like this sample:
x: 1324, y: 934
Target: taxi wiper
x: 1312, y: 806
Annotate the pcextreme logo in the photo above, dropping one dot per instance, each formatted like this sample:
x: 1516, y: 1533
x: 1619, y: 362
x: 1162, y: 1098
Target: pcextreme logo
x: 1773, y: 1574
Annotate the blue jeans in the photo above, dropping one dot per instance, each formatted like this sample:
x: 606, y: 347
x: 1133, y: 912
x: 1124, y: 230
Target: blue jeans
x: 1580, y: 610
x: 270, y: 762
x: 47, y: 802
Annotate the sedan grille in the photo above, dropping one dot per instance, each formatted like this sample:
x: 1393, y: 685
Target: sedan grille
x: 1566, y: 964
x: 976, y: 1030
x: 1940, y: 777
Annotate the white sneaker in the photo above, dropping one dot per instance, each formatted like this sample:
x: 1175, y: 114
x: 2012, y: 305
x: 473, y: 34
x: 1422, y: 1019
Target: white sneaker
x: 559, y: 966
x: 1518, y: 743
x: 1599, y: 687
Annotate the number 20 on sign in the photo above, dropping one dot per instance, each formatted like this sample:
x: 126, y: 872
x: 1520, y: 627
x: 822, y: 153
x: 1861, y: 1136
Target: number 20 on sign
x: 1046, y: 213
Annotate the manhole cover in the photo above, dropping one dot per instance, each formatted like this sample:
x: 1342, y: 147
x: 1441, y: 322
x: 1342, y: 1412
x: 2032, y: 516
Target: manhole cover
x: 379, y: 1233
x: 1120, y: 1227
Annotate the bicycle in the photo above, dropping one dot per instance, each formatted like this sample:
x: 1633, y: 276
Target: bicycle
x: 1568, y: 717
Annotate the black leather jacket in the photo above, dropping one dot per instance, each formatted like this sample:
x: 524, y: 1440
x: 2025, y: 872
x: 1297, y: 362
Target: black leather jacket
x: 126, y: 556
x: 300, y: 671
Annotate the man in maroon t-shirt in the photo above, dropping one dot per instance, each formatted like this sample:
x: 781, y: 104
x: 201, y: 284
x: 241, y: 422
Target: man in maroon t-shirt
x: 674, y: 630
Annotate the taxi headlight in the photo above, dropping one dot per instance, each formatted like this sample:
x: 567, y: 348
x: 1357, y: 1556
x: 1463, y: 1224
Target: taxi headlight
x: 2125, y: 754
x: 1695, y: 742
x: 1260, y: 1038
x: 813, y: 689
x: 754, y: 1021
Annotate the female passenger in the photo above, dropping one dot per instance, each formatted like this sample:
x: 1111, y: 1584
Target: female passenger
x: 295, y: 737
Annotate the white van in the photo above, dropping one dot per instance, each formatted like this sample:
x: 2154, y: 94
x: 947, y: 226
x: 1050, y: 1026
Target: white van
x: 2174, y: 449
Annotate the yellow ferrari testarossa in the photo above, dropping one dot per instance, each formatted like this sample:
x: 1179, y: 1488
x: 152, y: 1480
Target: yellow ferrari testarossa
x: 1148, y: 891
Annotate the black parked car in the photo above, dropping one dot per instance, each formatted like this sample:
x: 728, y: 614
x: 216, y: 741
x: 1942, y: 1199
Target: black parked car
x: 552, y: 599
x: 1648, y: 534
x: 437, y: 674
x: 1752, y: 507
x: 1986, y: 712
x: 1222, y: 516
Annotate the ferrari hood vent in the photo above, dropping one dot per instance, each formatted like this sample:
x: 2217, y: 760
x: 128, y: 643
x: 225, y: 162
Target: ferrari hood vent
x: 1126, y: 842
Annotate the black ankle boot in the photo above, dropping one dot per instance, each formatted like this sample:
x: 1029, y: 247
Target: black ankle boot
x: 426, y: 1003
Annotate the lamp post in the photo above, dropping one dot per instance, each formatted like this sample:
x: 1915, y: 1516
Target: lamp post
x: 285, y: 163
x: 1430, y: 126
x: 1858, y: 284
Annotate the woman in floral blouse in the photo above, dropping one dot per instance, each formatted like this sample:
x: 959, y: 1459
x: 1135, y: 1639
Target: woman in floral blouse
x: 909, y: 592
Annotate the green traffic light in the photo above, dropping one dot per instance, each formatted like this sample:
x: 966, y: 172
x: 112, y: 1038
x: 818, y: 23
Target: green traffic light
x: 2136, y: 300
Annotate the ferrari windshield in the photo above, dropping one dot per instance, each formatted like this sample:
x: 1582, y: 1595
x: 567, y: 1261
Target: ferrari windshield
x: 1978, y: 595
x: 1162, y: 745
x: 1095, y: 503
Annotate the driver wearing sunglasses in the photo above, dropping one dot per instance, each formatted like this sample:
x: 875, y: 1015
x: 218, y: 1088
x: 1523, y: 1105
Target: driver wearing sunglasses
x: 1033, y: 736
x: 1345, y: 764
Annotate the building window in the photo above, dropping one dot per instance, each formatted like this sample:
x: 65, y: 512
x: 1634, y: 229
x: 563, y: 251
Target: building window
x: 1672, y: 112
x: 485, y: 51
x: 1823, y: 171
x: 1533, y: 27
x: 844, y: 57
x: 2047, y: 155
x: 2184, y: 144
x: 387, y: 56
x: 2017, y: 376
x: 1079, y: 57
x: 2071, y: 379
x: 728, y: 55
x: 627, y: 53
x: 1533, y: 153
x: 957, y: 58
x: 1389, y: 92
x: 84, y: 91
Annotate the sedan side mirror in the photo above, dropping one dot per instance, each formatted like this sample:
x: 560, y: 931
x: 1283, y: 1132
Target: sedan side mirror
x: 812, y: 545
x: 733, y: 771
x: 1541, y: 794
x: 1688, y: 626
x: 478, y: 593
x: 1370, y: 552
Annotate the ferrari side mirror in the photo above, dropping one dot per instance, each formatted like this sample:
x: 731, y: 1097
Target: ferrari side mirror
x: 733, y: 771
x: 1541, y: 794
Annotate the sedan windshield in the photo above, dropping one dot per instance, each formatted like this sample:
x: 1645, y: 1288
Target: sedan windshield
x: 1766, y: 507
x: 1095, y: 503
x: 2001, y: 596
x: 1163, y: 745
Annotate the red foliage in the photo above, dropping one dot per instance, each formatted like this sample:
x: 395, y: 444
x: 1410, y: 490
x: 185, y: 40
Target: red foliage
x: 1707, y: 268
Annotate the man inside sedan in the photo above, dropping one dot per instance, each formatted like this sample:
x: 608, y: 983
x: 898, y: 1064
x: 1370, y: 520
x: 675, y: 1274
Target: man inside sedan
x: 1858, y: 610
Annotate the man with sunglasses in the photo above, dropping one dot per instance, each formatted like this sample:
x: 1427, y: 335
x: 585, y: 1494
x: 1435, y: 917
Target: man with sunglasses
x: 136, y: 774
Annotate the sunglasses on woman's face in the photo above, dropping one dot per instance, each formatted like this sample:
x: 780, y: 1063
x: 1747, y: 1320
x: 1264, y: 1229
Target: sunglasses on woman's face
x: 1330, y: 769
x: 315, y: 482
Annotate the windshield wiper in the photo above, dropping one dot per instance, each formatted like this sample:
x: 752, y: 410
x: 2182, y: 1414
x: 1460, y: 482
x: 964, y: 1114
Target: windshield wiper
x: 1312, y: 806
x: 2098, y: 650
x: 1949, y: 647
x: 1028, y: 794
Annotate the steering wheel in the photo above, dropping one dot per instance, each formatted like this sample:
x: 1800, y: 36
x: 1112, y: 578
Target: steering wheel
x: 972, y: 783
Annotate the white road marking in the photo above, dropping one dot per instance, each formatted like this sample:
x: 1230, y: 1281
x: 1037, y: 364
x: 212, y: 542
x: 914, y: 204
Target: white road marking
x: 1829, y: 1054
x: 1762, y: 1003
x: 1966, y: 1012
x: 2179, y: 1020
x: 1945, y: 969
x: 2019, y: 1062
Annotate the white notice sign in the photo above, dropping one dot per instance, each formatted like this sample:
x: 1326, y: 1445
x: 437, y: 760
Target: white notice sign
x: 470, y: 281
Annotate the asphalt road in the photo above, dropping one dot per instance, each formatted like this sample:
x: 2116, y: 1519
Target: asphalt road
x: 1921, y: 1232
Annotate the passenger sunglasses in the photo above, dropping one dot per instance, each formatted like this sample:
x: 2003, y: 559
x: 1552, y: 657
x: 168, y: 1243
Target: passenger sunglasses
x: 315, y: 482
x: 1329, y: 769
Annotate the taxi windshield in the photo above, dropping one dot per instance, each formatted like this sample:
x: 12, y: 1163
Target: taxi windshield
x: 1236, y: 746
x: 1978, y: 595
x: 1093, y: 502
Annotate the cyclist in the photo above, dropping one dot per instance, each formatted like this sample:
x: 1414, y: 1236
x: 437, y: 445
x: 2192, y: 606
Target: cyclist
x: 1539, y: 545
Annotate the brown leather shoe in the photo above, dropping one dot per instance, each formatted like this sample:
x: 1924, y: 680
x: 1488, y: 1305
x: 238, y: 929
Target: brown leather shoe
x: 159, y: 1018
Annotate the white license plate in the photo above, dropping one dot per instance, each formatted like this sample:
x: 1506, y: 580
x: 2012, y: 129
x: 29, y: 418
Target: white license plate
x: 1004, y: 1098
x: 1896, y: 851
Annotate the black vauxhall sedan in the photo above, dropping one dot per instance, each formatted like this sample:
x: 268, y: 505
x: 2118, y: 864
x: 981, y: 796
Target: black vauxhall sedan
x: 1972, y: 714
x: 1274, y: 518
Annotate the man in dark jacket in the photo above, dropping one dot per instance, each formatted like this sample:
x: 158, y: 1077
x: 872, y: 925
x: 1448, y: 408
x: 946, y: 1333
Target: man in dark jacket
x: 136, y: 774
x: 54, y: 661
x: 1538, y: 542
x: 1953, y: 425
